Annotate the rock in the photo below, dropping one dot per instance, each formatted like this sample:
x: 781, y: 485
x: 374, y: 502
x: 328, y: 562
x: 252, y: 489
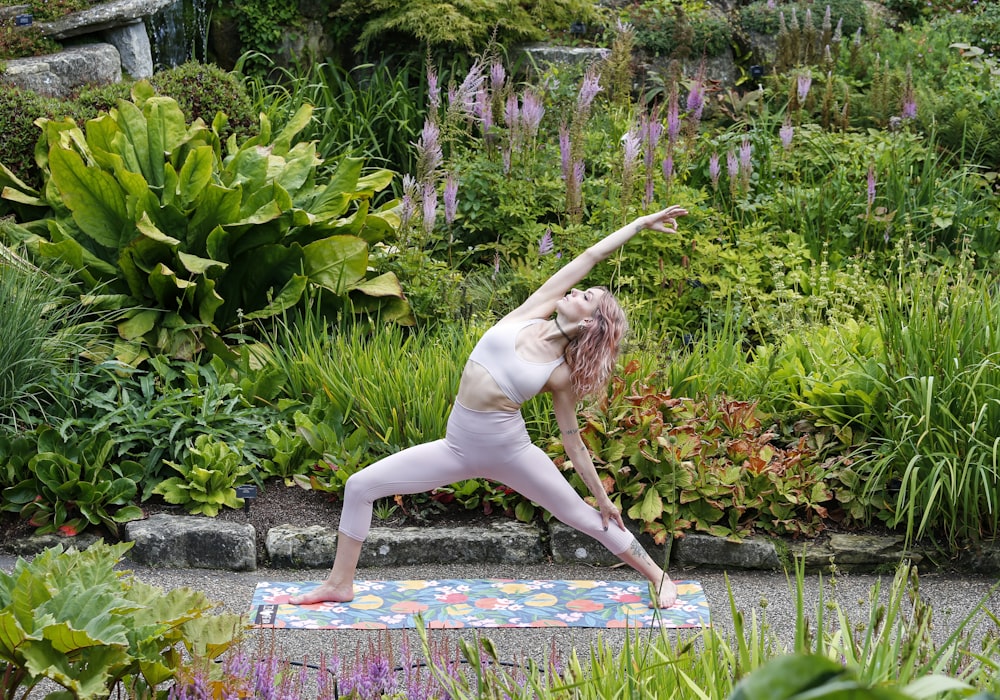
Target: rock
x: 132, y: 43
x: 100, y: 17
x: 984, y: 559
x: 866, y: 552
x: 184, y: 541
x: 294, y: 547
x: 35, y: 544
x: 543, y: 55
x: 501, y: 543
x: 717, y: 552
x: 570, y: 546
x: 59, y: 74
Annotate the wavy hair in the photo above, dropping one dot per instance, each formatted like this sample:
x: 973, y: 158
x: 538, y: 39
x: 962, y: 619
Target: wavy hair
x: 592, y: 354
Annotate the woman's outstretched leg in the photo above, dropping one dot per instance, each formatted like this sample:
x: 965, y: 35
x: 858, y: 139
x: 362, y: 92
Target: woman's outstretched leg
x: 537, y: 478
x: 414, y: 470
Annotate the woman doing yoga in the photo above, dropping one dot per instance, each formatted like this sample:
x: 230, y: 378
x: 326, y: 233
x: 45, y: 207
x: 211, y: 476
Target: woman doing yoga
x: 529, y: 351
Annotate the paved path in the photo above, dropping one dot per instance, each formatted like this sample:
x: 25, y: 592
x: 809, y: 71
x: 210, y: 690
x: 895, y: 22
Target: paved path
x: 766, y: 595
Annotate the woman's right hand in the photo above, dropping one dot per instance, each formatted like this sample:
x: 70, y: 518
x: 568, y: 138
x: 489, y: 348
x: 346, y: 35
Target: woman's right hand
x: 664, y: 221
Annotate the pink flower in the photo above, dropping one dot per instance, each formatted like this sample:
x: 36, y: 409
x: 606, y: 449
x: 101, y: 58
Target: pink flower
x: 786, y: 133
x: 545, y: 245
x: 450, y: 198
x: 713, y: 170
x: 804, y: 83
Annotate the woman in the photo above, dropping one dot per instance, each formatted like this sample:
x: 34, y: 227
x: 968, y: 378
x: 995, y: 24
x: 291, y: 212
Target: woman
x: 530, y: 351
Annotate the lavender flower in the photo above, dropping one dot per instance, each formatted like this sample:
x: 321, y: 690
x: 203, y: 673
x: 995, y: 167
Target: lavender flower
x: 746, y: 152
x: 497, y: 76
x: 652, y: 130
x: 506, y: 156
x: 464, y: 98
x: 786, y: 133
x: 732, y: 165
x: 407, y: 205
x: 565, y: 149
x: 804, y: 83
x: 838, y: 31
x: 713, y: 170
x: 909, y: 107
x: 484, y: 110
x: 673, y: 118
x: 545, y: 245
x: 429, y: 153
x: 668, y: 169
x: 696, y: 99
x: 450, y: 198
x: 433, y: 90
x: 631, y: 144
x: 429, y: 206
x: 511, y: 113
x: 532, y: 111
x: 588, y: 91
x: 871, y: 187
x: 771, y: 4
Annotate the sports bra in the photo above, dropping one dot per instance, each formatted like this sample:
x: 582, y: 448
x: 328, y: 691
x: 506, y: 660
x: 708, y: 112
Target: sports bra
x: 496, y: 352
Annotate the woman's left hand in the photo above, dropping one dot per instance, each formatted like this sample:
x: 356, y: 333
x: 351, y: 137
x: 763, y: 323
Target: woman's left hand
x: 610, y: 514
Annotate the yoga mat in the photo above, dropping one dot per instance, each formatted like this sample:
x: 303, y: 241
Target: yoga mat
x: 457, y: 603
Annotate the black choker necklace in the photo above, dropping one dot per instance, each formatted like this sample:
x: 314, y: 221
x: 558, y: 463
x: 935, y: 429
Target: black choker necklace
x: 568, y: 339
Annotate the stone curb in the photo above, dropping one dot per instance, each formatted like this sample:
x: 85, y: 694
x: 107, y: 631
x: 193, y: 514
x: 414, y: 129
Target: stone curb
x: 177, y: 541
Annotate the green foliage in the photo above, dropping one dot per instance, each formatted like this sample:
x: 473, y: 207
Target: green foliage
x: 18, y: 111
x: 47, y: 10
x: 74, y: 483
x: 157, y: 413
x: 372, y: 111
x: 460, y: 24
x: 43, y: 330
x: 70, y: 618
x: 939, y: 373
x: 262, y: 25
x: 209, y: 475
x: 765, y: 18
x: 187, y: 241
x: 688, y: 30
x: 678, y: 465
x: 20, y: 42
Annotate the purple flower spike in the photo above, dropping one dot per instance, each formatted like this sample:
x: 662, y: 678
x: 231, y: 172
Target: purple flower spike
x: 588, y: 91
x: 668, y: 169
x: 713, y: 170
x: 430, y: 206
x: 673, y: 119
x: 429, y: 153
x: 545, y: 245
x: 871, y: 186
x: 746, y: 155
x: 565, y: 150
x: 696, y: 99
x: 732, y: 165
x: 804, y: 83
x: 532, y: 111
x: 786, y: 133
x: 632, y: 144
x: 433, y: 89
x: 450, y: 198
x: 497, y: 76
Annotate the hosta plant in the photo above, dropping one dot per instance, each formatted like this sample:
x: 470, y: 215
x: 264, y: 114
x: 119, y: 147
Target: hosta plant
x: 71, y: 484
x: 190, y: 237
x: 71, y: 619
x: 208, y: 477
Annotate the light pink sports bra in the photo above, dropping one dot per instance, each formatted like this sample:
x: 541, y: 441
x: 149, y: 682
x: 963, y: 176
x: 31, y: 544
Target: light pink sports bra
x: 518, y: 379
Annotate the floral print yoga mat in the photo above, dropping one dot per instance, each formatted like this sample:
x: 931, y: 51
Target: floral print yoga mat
x: 455, y: 603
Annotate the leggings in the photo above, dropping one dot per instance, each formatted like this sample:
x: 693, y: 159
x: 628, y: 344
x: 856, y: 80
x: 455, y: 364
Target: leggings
x: 478, y: 445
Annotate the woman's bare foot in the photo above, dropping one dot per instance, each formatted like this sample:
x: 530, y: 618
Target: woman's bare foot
x: 325, y: 593
x: 666, y: 593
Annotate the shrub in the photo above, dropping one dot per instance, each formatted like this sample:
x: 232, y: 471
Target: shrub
x: 763, y: 17
x: 19, y: 42
x: 664, y: 28
x: 18, y: 111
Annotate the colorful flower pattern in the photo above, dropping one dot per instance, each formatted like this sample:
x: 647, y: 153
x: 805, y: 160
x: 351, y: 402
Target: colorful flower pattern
x: 458, y: 603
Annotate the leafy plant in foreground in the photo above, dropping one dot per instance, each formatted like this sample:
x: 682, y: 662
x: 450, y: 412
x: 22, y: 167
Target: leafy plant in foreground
x: 189, y: 239
x: 70, y: 618
x: 207, y: 479
x: 73, y: 483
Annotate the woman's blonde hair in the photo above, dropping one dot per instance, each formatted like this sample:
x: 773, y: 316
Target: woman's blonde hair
x: 592, y: 354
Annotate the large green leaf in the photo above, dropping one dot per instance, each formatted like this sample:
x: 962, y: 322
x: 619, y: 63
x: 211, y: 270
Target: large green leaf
x: 95, y: 198
x: 385, y: 285
x: 336, y: 263
x: 195, y: 175
x: 332, y: 200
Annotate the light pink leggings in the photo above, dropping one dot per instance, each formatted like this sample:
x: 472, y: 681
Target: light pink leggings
x: 478, y: 445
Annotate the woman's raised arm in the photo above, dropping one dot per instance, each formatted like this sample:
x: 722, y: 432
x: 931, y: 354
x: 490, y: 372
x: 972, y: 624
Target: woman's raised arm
x: 542, y: 302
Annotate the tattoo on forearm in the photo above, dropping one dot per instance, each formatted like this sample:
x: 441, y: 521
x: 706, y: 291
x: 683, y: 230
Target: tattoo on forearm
x: 574, y: 431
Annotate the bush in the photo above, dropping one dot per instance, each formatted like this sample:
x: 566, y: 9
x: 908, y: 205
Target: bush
x: 763, y: 18
x: 666, y: 29
x: 18, y: 111
x: 18, y: 42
